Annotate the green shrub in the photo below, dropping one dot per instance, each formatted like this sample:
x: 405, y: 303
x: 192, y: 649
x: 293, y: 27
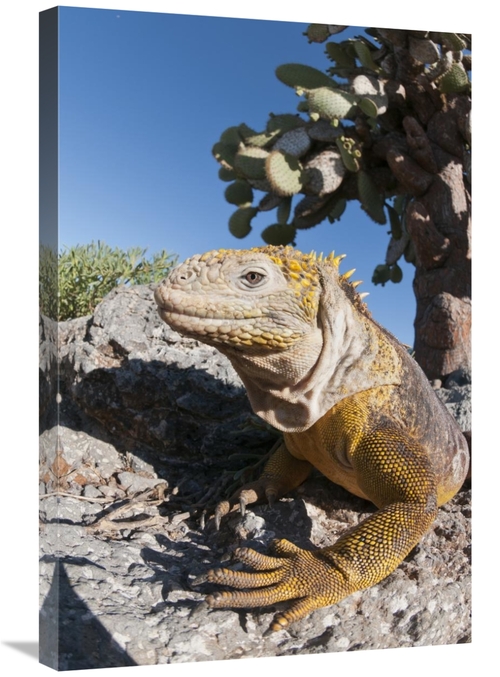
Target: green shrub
x: 86, y: 273
x: 47, y: 276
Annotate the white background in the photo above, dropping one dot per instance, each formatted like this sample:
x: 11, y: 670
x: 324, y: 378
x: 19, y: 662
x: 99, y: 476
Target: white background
x: 19, y: 334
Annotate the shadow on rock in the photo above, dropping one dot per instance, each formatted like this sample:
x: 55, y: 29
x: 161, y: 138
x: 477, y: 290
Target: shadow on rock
x: 71, y: 637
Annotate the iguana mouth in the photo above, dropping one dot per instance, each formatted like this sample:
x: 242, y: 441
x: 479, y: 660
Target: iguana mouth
x: 193, y: 306
x: 174, y: 311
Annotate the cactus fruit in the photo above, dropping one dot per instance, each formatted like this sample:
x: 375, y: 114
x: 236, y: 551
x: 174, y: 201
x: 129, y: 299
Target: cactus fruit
x: 284, y: 172
x: 370, y: 198
x: 325, y: 172
x: 330, y: 104
x: 296, y: 142
x: 348, y: 149
x: 279, y: 234
x: 239, y: 222
x: 251, y: 162
x: 239, y: 193
x: 304, y: 77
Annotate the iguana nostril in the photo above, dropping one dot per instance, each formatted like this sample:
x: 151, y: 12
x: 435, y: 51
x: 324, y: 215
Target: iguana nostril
x: 185, y: 277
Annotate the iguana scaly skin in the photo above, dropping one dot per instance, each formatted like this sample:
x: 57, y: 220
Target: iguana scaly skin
x: 349, y: 400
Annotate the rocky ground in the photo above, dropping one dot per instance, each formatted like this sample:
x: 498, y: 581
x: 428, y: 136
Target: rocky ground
x: 153, y: 428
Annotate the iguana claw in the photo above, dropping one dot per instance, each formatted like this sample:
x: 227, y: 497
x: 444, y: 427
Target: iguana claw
x: 221, y: 509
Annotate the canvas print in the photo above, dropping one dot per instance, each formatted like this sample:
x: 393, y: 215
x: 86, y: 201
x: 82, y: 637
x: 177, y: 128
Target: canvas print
x: 242, y: 454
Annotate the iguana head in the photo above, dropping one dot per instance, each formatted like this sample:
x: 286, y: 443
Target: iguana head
x: 256, y: 300
x: 295, y: 330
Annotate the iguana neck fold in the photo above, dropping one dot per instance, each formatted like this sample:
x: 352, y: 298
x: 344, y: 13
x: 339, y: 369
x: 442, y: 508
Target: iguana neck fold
x: 342, y: 356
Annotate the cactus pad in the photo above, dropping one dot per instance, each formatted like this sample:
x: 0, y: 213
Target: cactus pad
x: 225, y: 154
x: 370, y: 198
x: 337, y: 210
x: 284, y: 209
x: 261, y: 140
x: 226, y: 174
x: 455, y: 80
x: 396, y: 273
x: 330, y: 104
x: 364, y: 54
x: 369, y: 107
x: 251, y: 162
x: 381, y: 274
x: 296, y: 142
x: 317, y: 33
x: 270, y: 201
x: 284, y: 123
x: 284, y: 172
x: 304, y: 77
x: 279, y: 234
x: 343, y: 57
x: 311, y: 210
x: 325, y: 172
x: 239, y: 222
x: 239, y: 193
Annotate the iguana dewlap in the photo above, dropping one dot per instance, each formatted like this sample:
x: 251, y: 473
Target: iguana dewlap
x: 349, y: 400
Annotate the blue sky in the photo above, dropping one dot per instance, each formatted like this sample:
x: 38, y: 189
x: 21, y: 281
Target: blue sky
x: 143, y: 98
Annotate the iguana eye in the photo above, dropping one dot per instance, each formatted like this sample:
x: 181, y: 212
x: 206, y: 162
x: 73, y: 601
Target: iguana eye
x: 254, y: 278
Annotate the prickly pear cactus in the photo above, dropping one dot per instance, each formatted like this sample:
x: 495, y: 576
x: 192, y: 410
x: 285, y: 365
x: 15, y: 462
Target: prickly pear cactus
x: 359, y: 133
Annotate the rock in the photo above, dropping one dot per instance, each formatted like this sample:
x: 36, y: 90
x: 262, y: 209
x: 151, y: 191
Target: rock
x: 151, y: 423
x: 456, y: 395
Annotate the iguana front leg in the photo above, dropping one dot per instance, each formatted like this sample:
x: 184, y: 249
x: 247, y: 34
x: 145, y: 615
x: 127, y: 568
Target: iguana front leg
x: 395, y: 473
x: 282, y: 473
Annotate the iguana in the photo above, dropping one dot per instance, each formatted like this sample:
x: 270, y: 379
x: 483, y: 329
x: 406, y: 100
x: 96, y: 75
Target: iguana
x: 350, y: 401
